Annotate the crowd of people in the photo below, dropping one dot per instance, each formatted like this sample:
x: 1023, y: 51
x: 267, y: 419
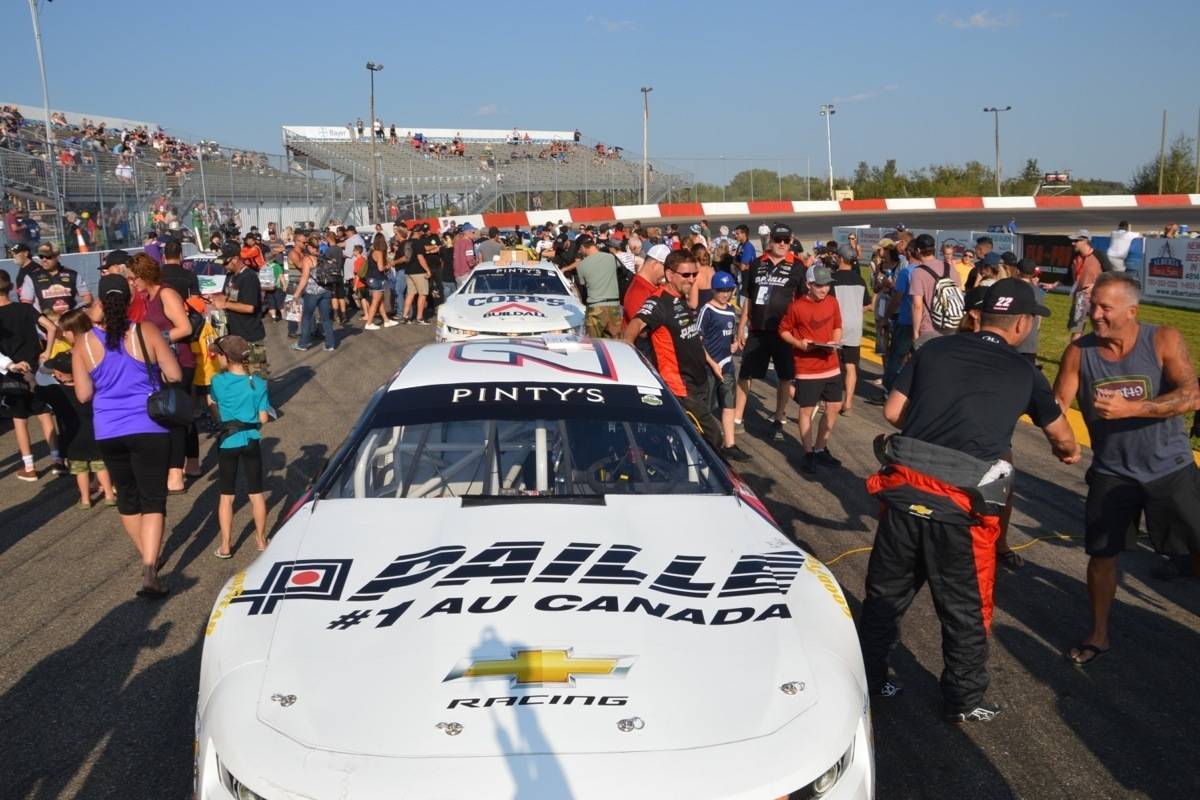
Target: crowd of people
x: 713, y: 314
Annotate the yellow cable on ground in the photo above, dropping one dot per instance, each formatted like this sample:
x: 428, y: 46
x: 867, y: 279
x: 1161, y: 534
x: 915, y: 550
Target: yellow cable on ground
x: 1062, y: 537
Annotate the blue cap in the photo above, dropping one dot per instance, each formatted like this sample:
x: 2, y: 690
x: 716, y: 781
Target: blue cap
x: 466, y: 226
x: 722, y: 281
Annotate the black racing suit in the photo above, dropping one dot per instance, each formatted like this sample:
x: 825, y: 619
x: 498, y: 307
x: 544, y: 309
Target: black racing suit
x: 931, y: 531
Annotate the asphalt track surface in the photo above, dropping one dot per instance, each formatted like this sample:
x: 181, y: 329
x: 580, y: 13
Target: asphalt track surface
x: 98, y: 687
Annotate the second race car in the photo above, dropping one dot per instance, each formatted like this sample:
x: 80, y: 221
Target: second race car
x: 518, y: 300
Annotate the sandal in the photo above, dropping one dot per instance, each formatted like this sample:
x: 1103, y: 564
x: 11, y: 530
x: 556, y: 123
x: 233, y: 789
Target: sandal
x: 1085, y: 654
x: 150, y: 593
x: 82, y: 506
x: 221, y: 555
x: 1012, y: 559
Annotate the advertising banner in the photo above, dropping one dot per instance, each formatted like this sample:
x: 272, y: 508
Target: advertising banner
x: 1171, y: 272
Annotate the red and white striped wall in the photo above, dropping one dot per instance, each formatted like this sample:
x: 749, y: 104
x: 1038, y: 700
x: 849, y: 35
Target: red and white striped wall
x: 769, y: 208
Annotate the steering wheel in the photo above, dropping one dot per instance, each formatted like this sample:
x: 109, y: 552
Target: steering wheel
x: 659, y: 472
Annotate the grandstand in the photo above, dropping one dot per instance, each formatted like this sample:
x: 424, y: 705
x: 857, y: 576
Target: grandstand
x: 434, y: 171
x: 325, y: 174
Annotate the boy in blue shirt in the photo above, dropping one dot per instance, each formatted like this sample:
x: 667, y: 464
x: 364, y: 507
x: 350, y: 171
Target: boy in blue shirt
x: 239, y: 401
x: 718, y: 322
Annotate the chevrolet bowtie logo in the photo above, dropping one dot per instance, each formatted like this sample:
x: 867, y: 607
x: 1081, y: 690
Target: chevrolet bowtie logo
x: 541, y: 668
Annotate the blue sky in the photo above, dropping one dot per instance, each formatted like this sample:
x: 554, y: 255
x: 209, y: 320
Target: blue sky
x: 1087, y: 80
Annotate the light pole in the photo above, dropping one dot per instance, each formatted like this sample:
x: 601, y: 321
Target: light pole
x: 828, y: 111
x: 646, y: 90
x: 372, y: 67
x: 50, y: 173
x: 995, y: 112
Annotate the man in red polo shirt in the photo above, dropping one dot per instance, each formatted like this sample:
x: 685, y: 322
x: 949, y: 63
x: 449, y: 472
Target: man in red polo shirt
x: 645, y: 283
x: 813, y: 327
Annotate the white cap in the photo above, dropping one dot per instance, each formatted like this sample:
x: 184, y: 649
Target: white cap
x: 659, y: 253
x: 724, y: 230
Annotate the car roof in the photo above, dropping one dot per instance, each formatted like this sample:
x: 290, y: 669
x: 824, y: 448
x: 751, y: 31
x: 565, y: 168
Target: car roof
x: 535, y: 359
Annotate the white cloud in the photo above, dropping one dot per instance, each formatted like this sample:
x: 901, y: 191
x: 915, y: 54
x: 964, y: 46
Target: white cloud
x: 858, y: 97
x: 980, y: 20
x: 611, y: 25
x: 487, y: 110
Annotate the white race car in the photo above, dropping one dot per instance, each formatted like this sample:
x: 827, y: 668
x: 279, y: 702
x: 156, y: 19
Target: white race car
x: 525, y: 575
x: 519, y: 300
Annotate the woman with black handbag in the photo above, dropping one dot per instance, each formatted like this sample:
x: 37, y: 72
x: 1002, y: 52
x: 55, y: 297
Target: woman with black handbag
x: 113, y: 366
x: 166, y: 310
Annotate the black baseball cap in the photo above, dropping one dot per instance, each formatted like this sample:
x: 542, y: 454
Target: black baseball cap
x: 116, y: 258
x: 584, y: 240
x: 20, y: 247
x: 114, y: 284
x: 780, y: 230
x: 1012, y: 296
x: 973, y: 299
x: 1027, y: 266
x: 229, y: 251
x: 59, y: 363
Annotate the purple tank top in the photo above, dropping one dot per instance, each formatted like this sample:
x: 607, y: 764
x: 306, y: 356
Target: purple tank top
x: 121, y: 388
x: 156, y: 314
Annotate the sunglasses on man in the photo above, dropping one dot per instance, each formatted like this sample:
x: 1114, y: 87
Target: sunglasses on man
x: 779, y: 239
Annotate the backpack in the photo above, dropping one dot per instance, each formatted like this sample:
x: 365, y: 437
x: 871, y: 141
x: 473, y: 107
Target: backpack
x: 624, y: 279
x: 947, y: 308
x: 328, y: 271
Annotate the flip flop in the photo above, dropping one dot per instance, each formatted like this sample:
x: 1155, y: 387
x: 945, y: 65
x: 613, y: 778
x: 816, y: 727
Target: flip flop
x: 153, y: 594
x: 1086, y: 654
x: 221, y: 555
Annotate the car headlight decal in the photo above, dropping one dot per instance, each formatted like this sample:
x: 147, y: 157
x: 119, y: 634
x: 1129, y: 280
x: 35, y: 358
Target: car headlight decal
x: 826, y: 780
x: 234, y: 786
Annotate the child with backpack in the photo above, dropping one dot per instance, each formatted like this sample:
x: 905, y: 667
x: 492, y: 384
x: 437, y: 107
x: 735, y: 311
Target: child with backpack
x: 239, y: 401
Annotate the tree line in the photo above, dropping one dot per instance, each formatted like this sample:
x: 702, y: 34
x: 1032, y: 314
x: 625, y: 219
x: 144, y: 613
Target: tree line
x: 972, y: 179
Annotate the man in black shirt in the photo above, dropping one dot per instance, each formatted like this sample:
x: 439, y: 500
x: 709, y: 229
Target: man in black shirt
x: 772, y: 283
x: 182, y: 280
x: 942, y: 486
x: 241, y: 300
x: 677, y: 344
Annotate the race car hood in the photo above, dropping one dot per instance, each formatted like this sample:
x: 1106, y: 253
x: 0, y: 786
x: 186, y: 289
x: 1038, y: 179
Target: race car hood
x: 643, y: 624
x: 512, y: 313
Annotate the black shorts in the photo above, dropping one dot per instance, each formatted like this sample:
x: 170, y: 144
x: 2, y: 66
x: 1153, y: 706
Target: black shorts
x: 851, y: 354
x: 22, y: 406
x: 762, y: 349
x: 338, y: 290
x: 809, y: 392
x: 250, y: 457
x: 1171, y: 505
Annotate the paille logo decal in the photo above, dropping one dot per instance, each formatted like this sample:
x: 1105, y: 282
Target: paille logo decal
x: 541, y: 668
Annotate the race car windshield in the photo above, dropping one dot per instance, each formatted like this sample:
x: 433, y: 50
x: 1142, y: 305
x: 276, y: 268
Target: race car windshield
x: 515, y: 281
x: 638, y: 447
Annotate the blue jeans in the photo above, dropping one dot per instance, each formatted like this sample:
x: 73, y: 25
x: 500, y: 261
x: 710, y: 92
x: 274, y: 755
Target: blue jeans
x: 901, y: 347
x: 317, y: 303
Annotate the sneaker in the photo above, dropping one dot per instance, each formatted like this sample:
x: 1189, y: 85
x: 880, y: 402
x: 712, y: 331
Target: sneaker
x: 735, y: 453
x: 984, y: 712
x: 371, y: 326
x: 391, y: 323
x: 809, y: 465
x: 826, y: 458
x: 422, y: 322
x: 299, y: 347
x: 29, y: 475
x: 329, y: 349
x: 889, y: 689
x: 777, y: 430
x: 58, y: 469
x: 739, y: 423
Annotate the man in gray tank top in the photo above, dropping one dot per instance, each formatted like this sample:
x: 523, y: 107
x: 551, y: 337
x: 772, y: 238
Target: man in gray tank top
x: 1134, y: 382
